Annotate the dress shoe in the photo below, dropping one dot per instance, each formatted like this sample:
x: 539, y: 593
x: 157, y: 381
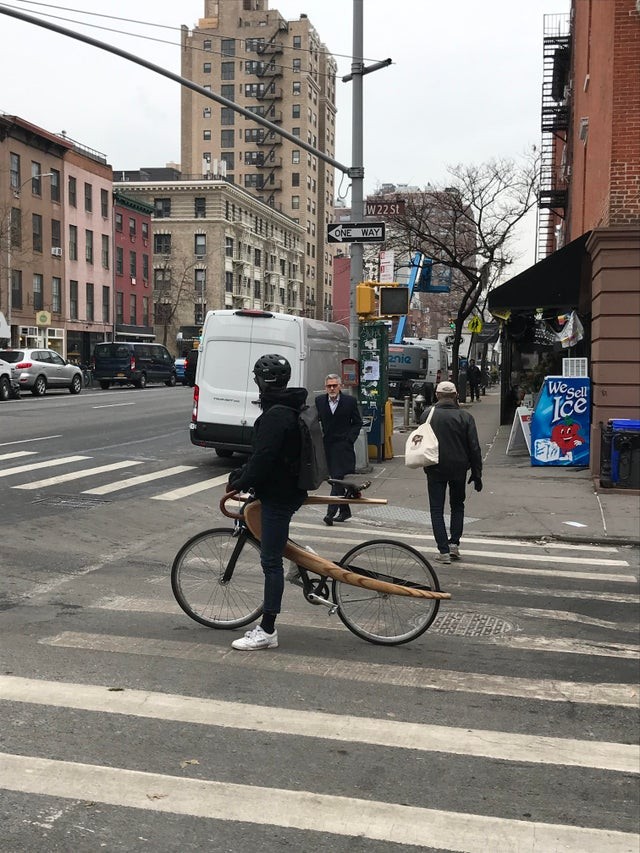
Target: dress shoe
x: 343, y: 516
x: 328, y: 520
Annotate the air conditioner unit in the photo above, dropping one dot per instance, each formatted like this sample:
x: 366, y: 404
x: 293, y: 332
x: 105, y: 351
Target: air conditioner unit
x: 199, y: 257
x: 133, y: 281
x: 56, y: 251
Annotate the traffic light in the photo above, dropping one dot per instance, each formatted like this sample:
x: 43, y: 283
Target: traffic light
x: 394, y: 301
x: 365, y: 299
x: 452, y: 323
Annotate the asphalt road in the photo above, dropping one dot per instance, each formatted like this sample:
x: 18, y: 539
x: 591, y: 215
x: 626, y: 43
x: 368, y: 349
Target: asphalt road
x: 125, y: 726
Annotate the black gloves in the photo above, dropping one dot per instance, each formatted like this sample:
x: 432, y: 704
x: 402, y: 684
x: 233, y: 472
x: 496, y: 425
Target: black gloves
x: 476, y: 480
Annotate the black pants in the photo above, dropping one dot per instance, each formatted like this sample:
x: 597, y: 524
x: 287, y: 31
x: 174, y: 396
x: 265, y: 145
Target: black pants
x: 474, y: 391
x: 437, y: 489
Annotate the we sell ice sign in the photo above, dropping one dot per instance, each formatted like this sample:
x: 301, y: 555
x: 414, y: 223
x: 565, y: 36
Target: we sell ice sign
x: 561, y: 421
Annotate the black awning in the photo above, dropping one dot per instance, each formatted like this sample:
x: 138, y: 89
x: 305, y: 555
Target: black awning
x: 553, y: 282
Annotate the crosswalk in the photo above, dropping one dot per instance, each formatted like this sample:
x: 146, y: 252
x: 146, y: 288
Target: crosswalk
x: 509, y: 726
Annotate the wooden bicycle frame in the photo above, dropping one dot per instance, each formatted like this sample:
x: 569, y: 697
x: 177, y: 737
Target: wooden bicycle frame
x: 317, y: 564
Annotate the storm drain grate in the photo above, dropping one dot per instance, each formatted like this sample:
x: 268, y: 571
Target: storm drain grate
x: 73, y: 501
x: 466, y: 624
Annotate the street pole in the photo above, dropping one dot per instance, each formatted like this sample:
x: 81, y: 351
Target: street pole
x: 356, y: 172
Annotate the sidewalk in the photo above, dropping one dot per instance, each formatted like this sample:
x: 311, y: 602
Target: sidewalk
x: 517, y: 499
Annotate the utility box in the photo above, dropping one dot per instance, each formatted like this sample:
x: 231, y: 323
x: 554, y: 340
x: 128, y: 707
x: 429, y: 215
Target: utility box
x: 620, y: 454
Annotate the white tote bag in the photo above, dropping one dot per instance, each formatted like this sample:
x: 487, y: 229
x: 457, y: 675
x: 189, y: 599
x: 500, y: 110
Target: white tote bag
x: 421, y: 449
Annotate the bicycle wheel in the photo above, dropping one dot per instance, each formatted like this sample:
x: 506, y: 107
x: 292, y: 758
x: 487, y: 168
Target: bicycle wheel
x: 217, y: 580
x: 379, y: 617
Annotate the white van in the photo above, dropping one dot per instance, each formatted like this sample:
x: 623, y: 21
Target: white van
x: 437, y: 363
x: 225, y: 396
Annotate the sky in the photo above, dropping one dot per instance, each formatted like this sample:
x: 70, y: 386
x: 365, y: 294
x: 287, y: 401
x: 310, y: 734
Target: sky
x: 464, y: 86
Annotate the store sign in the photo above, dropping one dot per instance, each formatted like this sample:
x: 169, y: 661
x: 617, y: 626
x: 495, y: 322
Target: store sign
x: 561, y: 422
x: 43, y: 318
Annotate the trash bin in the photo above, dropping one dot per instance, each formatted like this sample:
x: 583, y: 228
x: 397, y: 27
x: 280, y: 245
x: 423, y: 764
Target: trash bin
x: 625, y: 453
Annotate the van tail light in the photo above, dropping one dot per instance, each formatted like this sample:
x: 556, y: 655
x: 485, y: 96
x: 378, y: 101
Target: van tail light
x: 196, y: 397
x: 24, y: 365
x: 438, y: 375
x: 133, y: 363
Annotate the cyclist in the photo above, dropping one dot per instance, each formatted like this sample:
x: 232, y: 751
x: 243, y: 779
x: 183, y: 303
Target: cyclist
x: 272, y: 472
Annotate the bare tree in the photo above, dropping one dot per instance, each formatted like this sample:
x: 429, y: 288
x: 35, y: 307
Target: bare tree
x: 173, y: 292
x: 468, y: 227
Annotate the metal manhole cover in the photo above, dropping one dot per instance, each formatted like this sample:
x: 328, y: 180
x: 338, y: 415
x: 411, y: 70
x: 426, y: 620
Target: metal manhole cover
x: 73, y: 501
x: 467, y: 624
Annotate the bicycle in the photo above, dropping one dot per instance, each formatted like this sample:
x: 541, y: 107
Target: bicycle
x: 384, y: 591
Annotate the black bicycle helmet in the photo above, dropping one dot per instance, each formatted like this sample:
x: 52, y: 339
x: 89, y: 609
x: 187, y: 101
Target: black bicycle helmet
x: 272, y: 371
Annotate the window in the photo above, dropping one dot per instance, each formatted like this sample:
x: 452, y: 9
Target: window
x: 295, y: 179
x: 227, y: 70
x: 14, y: 169
x: 145, y: 267
x: 228, y: 282
x: 54, y: 183
x: 295, y: 111
x: 88, y: 198
x: 200, y: 244
x: 257, y: 257
x: 228, y: 47
x: 295, y: 202
x: 253, y: 45
x: 226, y: 139
x: 254, y: 90
x: 104, y: 203
x: 133, y: 309
x: 227, y: 116
x: 118, y: 222
x: 105, y: 252
x: 133, y: 264
x: 38, y: 301
x: 206, y: 135
x: 162, y: 279
x: 295, y: 156
x: 119, y: 260
x: 228, y: 91
x: 16, y: 227
x: 162, y: 244
x: 56, y: 294
x: 162, y: 208
x: 36, y: 225
x: 132, y: 227
x: 252, y: 134
x: 206, y: 112
x: 145, y: 231
x: 88, y: 246
x: 36, y: 180
x: 16, y: 289
x: 206, y: 68
x: 228, y: 247
x: 73, y: 300
x: 145, y: 310
x: 297, y: 42
x: 200, y: 282
x: 56, y: 234
x: 295, y: 131
x: 73, y: 242
x: 119, y: 307
x: 72, y: 191
x: 90, y: 309
x: 106, y: 293
x: 200, y: 208
x: 254, y: 181
x: 229, y: 158
x: 296, y: 65
x: 206, y: 44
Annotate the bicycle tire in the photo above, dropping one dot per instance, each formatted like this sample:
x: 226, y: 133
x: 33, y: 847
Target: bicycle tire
x: 199, y: 584
x: 380, y: 618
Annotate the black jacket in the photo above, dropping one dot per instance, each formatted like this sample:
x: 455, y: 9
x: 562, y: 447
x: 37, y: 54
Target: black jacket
x: 459, y: 448
x: 272, y: 469
x: 340, y: 431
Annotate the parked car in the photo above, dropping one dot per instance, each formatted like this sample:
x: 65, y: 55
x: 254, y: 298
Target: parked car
x: 9, y: 385
x: 129, y: 363
x: 37, y: 370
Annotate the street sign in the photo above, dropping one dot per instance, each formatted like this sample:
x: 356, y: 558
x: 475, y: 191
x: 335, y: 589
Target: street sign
x: 475, y: 324
x: 355, y: 232
x: 384, y: 208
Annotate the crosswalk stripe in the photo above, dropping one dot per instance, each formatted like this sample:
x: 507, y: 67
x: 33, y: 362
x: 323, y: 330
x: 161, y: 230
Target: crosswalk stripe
x: 16, y: 454
x: 136, y: 481
x: 193, y: 489
x: 622, y: 695
x: 487, y: 568
x: 35, y: 466
x: 77, y: 475
x: 500, y: 745
x: 303, y: 810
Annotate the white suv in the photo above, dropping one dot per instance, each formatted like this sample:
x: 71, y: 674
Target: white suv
x: 9, y: 386
x: 40, y: 369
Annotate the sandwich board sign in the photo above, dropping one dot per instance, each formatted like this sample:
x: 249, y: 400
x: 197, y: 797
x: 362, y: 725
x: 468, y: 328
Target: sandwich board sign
x: 520, y: 436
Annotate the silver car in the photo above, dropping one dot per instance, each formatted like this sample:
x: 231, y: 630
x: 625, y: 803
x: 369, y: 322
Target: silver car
x: 39, y: 369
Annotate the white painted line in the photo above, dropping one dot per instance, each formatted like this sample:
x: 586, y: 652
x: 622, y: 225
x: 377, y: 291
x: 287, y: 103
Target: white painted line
x: 193, y: 489
x: 113, y: 405
x: 35, y: 466
x: 303, y: 810
x: 16, y: 454
x: 584, y: 594
x: 485, y: 743
x: 419, y: 678
x: 77, y: 475
x: 29, y: 440
x: 547, y: 573
x: 135, y: 481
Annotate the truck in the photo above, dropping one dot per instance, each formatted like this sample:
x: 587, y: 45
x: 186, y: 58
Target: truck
x: 408, y: 366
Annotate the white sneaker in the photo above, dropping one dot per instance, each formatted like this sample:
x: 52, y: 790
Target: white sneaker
x: 257, y: 638
x: 454, y: 551
x: 443, y: 558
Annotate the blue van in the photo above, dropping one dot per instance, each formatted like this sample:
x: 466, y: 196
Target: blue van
x: 127, y: 363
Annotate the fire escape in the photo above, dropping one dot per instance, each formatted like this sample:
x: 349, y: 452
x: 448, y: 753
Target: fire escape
x: 554, y: 171
x: 269, y: 74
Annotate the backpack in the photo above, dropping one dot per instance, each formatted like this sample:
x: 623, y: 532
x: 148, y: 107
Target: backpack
x: 313, y: 469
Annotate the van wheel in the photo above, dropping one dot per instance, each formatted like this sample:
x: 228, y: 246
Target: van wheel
x: 104, y: 384
x: 223, y: 453
x: 172, y: 381
x: 142, y: 382
x: 39, y: 387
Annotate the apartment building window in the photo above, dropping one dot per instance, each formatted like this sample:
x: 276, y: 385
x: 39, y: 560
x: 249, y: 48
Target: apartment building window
x: 88, y: 198
x: 162, y: 244
x: 104, y: 254
x: 228, y: 91
x: 228, y: 47
x: 253, y: 66
x: 118, y: 222
x: 56, y: 294
x: 206, y: 112
x: 297, y: 42
x: 15, y: 228
x: 296, y: 65
x: 228, y: 70
x: 206, y: 44
x: 253, y: 45
x: 257, y: 257
x: 295, y: 131
x: 89, y: 300
x: 104, y: 203
x: 228, y: 247
x: 295, y: 111
x: 119, y: 260
x: 229, y: 158
x: 133, y: 264
x: 132, y: 227
x: 106, y: 293
x: 200, y: 244
x: 206, y: 135
x: 88, y: 246
x: 227, y: 116
x: 252, y: 134
x: 133, y: 309
x: 36, y: 181
x: 295, y: 156
x: 73, y: 300
x: 162, y: 279
x: 206, y: 68
x: 295, y: 202
x: 200, y: 208
x: 14, y: 171
x: 54, y: 183
x: 16, y: 289
x: 56, y: 234
x: 72, y: 191
x: 145, y: 310
x: 145, y: 267
x: 226, y: 139
x: 120, y: 307
x: 38, y: 299
x: 162, y: 208
x: 295, y: 179
x: 36, y: 230
x: 296, y: 88
x: 228, y: 282
x: 73, y: 242
x: 145, y: 231
x: 200, y: 282
x: 253, y: 181
x: 254, y: 90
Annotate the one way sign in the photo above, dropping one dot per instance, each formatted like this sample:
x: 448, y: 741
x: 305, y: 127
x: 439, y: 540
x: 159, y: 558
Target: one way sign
x: 355, y: 232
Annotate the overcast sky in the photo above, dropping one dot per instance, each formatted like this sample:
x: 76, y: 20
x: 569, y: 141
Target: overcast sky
x: 464, y: 86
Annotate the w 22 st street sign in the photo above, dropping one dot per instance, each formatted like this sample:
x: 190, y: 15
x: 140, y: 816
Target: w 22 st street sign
x: 355, y: 232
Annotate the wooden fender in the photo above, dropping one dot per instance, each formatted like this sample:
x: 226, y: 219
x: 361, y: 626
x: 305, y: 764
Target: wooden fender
x: 321, y: 566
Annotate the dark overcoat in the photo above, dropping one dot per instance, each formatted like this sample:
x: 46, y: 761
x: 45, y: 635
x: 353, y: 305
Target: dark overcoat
x: 340, y: 430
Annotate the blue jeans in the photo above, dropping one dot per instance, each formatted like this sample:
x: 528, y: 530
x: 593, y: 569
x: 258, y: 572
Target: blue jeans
x: 436, y: 489
x: 275, y: 532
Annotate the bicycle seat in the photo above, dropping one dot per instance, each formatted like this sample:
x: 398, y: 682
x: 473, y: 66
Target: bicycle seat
x: 353, y: 488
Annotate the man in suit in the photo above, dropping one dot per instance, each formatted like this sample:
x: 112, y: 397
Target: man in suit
x: 341, y: 424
